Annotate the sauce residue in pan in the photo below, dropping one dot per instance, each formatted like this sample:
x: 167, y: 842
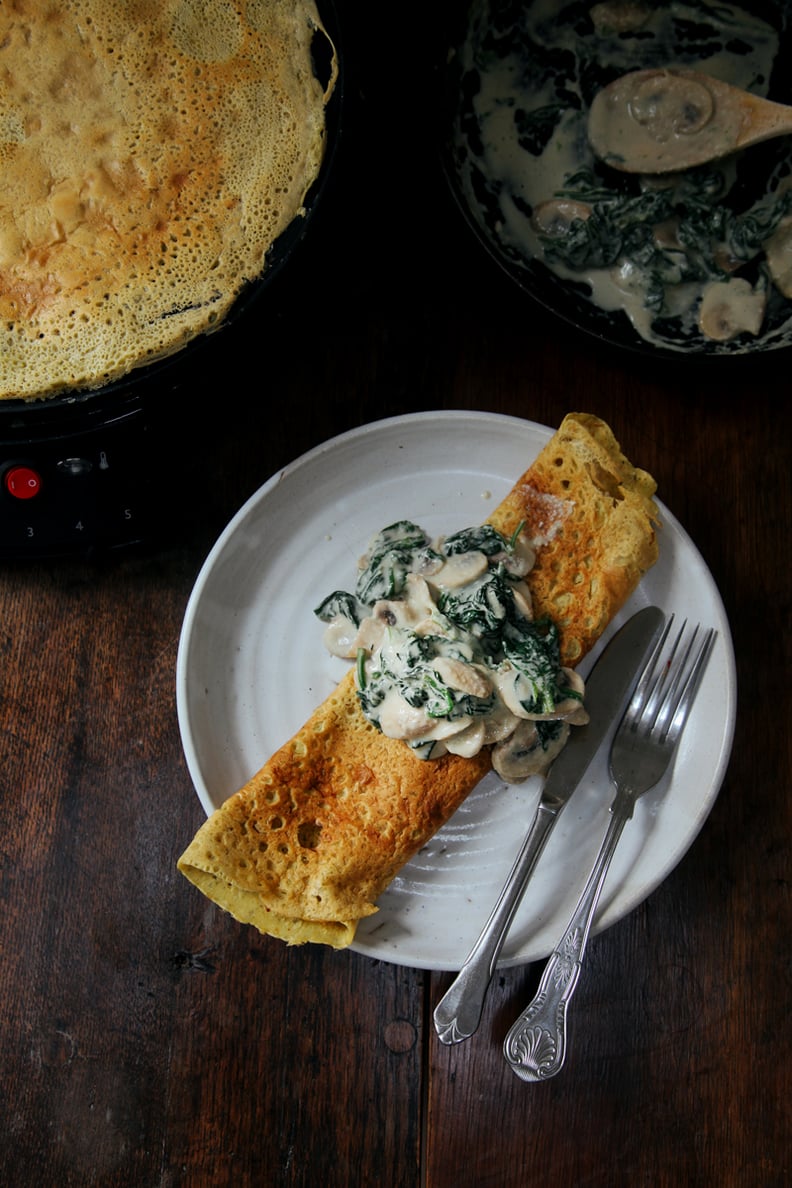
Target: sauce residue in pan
x: 696, y: 260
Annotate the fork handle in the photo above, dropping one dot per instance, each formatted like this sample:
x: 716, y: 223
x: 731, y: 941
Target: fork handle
x: 535, y: 1045
x: 457, y: 1014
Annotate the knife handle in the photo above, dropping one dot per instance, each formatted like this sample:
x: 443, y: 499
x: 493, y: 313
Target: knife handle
x: 457, y: 1014
x: 536, y: 1043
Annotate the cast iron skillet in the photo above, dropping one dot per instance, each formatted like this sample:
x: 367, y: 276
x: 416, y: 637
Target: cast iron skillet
x: 564, y: 298
x: 19, y: 417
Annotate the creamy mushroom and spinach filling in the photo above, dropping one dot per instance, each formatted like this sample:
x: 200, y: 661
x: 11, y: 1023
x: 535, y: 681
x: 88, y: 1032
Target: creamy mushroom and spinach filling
x: 448, y: 655
x: 700, y: 260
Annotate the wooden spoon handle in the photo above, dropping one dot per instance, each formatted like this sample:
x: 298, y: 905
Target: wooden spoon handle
x: 761, y: 119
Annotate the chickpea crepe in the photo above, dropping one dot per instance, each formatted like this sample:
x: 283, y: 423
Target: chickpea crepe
x: 305, y: 848
x: 151, y: 155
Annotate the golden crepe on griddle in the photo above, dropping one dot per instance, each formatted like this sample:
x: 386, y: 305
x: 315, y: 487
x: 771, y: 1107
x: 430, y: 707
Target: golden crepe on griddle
x: 150, y: 155
x: 303, y: 851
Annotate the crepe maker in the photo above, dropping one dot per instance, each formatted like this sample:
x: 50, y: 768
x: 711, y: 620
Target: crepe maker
x: 73, y: 474
x: 92, y: 472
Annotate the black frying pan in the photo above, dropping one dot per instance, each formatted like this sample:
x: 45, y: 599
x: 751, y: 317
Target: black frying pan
x: 567, y: 299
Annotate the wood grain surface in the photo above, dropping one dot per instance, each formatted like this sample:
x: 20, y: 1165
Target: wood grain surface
x: 149, y: 1041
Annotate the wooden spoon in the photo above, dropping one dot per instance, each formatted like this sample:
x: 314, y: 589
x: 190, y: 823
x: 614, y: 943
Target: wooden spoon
x: 661, y: 121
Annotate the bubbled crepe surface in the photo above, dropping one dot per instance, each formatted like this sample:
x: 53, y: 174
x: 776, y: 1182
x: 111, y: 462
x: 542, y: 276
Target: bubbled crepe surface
x: 150, y: 154
x: 600, y: 528
x: 305, y: 848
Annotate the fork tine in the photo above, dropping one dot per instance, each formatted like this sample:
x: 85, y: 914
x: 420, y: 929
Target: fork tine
x: 658, y: 694
x: 671, y: 675
x: 645, y: 690
x: 688, y: 690
x: 664, y: 694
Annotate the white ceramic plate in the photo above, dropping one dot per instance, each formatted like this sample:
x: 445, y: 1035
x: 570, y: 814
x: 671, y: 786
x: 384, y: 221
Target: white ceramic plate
x: 251, y: 669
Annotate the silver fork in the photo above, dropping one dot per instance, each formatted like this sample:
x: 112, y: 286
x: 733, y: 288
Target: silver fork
x: 641, y: 752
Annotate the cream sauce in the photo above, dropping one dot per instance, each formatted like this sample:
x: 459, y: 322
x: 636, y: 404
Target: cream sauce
x: 441, y: 664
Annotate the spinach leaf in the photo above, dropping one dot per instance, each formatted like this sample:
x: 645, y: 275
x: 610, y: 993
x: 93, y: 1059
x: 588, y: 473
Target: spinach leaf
x: 535, y: 653
x: 339, y: 603
x: 483, y: 539
x: 482, y: 609
x: 393, y: 554
x: 535, y: 128
x: 621, y: 227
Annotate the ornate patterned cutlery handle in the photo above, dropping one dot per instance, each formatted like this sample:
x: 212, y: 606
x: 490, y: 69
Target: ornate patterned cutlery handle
x: 457, y: 1015
x: 535, y: 1046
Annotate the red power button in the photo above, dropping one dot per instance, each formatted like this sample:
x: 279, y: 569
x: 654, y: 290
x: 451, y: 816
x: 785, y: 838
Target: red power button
x: 22, y: 482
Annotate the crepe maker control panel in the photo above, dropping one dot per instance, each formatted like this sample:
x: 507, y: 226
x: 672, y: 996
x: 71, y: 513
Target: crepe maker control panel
x: 76, y: 492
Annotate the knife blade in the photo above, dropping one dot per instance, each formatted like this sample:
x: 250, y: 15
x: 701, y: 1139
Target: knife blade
x: 608, y: 689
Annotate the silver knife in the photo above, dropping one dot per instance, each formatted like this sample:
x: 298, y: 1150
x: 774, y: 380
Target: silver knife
x: 608, y: 688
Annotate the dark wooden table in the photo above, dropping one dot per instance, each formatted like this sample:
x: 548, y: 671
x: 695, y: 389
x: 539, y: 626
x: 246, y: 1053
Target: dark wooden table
x: 146, y: 1039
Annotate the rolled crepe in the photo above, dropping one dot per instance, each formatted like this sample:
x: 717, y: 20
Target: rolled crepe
x: 303, y: 851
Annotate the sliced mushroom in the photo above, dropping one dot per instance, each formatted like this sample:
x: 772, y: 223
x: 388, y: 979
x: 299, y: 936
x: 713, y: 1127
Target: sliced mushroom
x: 779, y: 256
x: 727, y: 261
x: 520, y: 559
x: 514, y: 690
x: 399, y: 719
x: 419, y: 597
x: 522, y: 599
x: 666, y: 235
x: 500, y: 723
x: 570, y: 709
x: 552, y: 750
x: 460, y: 569
x: 370, y: 634
x: 513, y: 757
x: 340, y: 637
x: 578, y: 716
x: 467, y: 678
x: 729, y: 308
x: 522, y: 754
x: 416, y: 606
x: 619, y: 16
x: 507, y: 680
x: 555, y: 217
x: 468, y: 742
x: 422, y: 614
x: 428, y: 563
